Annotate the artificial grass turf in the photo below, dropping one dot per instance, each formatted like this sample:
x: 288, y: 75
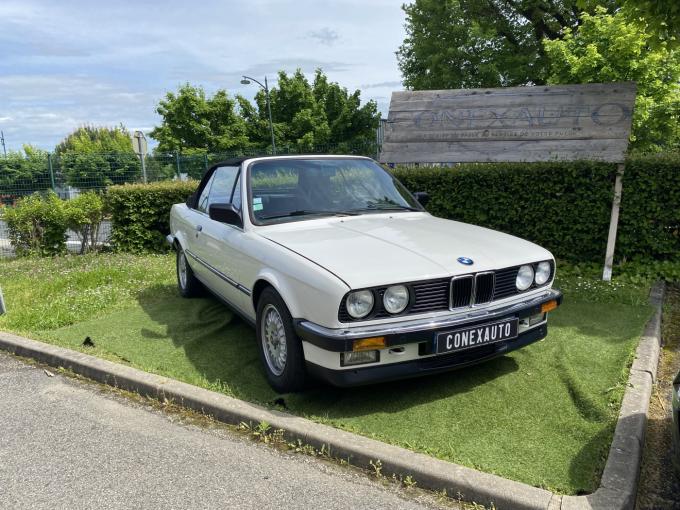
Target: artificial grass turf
x: 543, y: 415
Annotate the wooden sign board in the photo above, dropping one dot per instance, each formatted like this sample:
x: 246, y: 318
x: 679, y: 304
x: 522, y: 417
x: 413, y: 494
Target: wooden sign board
x: 556, y: 123
x: 139, y: 143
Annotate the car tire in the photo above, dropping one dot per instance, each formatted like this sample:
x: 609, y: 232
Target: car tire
x: 187, y: 283
x: 285, y: 371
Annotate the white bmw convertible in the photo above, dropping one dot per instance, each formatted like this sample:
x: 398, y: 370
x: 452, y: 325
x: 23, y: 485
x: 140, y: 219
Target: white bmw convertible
x: 347, y: 278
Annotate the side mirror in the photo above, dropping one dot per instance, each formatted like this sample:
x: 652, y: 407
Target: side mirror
x: 422, y: 197
x: 225, y: 213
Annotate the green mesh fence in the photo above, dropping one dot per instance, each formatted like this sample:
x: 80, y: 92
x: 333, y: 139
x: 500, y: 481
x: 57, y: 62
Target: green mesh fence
x: 67, y: 175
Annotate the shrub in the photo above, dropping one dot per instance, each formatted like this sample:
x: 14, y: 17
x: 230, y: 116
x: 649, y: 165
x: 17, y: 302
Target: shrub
x: 84, y: 215
x: 37, y: 225
x: 140, y: 213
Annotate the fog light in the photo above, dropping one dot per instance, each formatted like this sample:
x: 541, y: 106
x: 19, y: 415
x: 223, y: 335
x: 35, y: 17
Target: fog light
x: 535, y: 319
x: 358, y: 358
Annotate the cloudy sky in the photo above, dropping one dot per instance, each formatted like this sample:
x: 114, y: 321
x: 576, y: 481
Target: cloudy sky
x: 74, y: 62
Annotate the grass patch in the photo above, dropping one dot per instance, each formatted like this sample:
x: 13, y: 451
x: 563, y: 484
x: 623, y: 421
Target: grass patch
x: 543, y: 415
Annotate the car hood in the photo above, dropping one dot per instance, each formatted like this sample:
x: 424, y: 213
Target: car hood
x: 380, y: 249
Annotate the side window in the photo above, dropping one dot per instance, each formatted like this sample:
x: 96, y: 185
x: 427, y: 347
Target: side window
x: 222, y: 185
x: 202, y: 204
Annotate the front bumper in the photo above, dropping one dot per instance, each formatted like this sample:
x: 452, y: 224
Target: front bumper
x: 421, y: 332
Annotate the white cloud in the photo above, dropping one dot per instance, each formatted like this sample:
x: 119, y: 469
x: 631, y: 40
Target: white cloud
x: 324, y: 36
x: 73, y: 62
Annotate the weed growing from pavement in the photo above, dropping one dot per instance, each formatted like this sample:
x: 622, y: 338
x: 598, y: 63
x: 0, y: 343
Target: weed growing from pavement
x: 377, y: 468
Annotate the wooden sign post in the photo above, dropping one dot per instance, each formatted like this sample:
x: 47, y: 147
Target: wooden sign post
x: 556, y: 123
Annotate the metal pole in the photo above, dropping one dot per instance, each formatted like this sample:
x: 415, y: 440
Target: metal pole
x: 2, y: 303
x: 269, y: 112
x: 141, y: 158
x: 246, y: 81
x: 2, y: 139
x: 205, y: 161
x: 179, y: 173
x: 51, y: 170
x: 613, y: 224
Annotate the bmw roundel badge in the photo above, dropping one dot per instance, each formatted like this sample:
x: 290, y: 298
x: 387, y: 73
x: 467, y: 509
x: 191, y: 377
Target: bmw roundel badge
x: 466, y: 261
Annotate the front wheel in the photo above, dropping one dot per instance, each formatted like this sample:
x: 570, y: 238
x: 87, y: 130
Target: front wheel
x: 280, y: 348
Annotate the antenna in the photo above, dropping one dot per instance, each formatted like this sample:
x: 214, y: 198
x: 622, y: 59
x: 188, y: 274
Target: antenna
x: 2, y: 141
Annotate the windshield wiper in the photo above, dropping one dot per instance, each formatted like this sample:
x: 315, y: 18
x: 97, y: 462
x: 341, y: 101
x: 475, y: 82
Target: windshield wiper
x: 305, y: 212
x: 399, y: 208
x: 389, y: 207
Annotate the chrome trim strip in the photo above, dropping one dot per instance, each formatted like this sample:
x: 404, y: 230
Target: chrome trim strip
x: 218, y: 273
x: 420, y: 324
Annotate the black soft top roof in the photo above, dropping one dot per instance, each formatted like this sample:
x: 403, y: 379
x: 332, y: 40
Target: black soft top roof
x: 234, y: 161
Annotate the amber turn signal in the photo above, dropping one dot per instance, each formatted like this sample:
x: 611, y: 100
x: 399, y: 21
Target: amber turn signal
x: 549, y: 306
x: 367, y: 344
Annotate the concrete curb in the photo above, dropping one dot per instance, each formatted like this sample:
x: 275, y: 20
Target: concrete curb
x: 619, y: 480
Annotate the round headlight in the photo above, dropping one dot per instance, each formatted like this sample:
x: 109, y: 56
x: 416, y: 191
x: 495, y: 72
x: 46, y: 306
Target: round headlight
x: 525, y: 277
x: 395, y: 298
x: 360, y: 303
x: 542, y: 273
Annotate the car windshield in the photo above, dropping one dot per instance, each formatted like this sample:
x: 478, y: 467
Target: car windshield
x: 296, y: 189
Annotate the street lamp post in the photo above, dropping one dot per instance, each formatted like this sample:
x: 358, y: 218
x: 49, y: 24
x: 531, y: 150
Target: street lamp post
x: 246, y: 81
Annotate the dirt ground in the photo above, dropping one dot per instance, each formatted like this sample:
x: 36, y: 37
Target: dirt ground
x: 659, y: 483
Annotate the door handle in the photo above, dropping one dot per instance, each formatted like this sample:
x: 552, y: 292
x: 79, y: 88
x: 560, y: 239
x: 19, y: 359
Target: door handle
x: 199, y: 228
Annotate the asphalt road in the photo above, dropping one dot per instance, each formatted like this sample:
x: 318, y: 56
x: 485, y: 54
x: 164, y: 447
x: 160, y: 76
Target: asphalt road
x: 67, y: 443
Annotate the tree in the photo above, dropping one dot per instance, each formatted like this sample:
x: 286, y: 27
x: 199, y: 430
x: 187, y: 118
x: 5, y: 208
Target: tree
x: 609, y: 48
x: 193, y: 122
x: 23, y: 172
x: 311, y: 115
x: 95, y: 157
x: 661, y: 17
x: 306, y: 116
x: 481, y: 43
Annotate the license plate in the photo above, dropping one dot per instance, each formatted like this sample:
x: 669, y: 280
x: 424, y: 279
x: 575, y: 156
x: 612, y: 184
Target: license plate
x: 484, y: 334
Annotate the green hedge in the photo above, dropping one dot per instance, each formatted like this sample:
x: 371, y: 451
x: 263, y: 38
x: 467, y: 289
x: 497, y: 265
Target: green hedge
x: 140, y: 213
x: 563, y: 206
x: 650, y: 208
